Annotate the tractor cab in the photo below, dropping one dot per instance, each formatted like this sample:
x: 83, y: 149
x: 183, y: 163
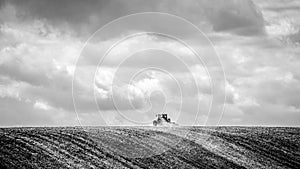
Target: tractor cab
x: 163, y: 116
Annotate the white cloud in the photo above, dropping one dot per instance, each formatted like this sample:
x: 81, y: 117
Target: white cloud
x: 41, y: 105
x: 10, y: 90
x: 282, y: 27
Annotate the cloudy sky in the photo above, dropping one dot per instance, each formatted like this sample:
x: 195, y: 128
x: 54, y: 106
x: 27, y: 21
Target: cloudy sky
x: 46, y: 46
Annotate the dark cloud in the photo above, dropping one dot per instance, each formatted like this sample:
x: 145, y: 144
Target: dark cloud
x: 240, y: 17
x: 85, y: 17
x: 295, y: 38
x: 2, y: 3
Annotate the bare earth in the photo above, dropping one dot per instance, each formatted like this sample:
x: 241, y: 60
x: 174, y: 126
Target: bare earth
x: 150, y: 147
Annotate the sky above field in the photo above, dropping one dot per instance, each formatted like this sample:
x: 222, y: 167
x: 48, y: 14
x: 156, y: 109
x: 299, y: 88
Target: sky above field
x: 257, y: 42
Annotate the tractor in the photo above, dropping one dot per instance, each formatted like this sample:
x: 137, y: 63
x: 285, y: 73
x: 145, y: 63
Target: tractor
x: 161, y: 120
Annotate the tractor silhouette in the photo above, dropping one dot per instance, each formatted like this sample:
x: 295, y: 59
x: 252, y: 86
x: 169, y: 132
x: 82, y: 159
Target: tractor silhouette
x: 162, y: 119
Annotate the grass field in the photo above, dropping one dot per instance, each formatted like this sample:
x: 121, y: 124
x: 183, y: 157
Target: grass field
x: 150, y: 147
